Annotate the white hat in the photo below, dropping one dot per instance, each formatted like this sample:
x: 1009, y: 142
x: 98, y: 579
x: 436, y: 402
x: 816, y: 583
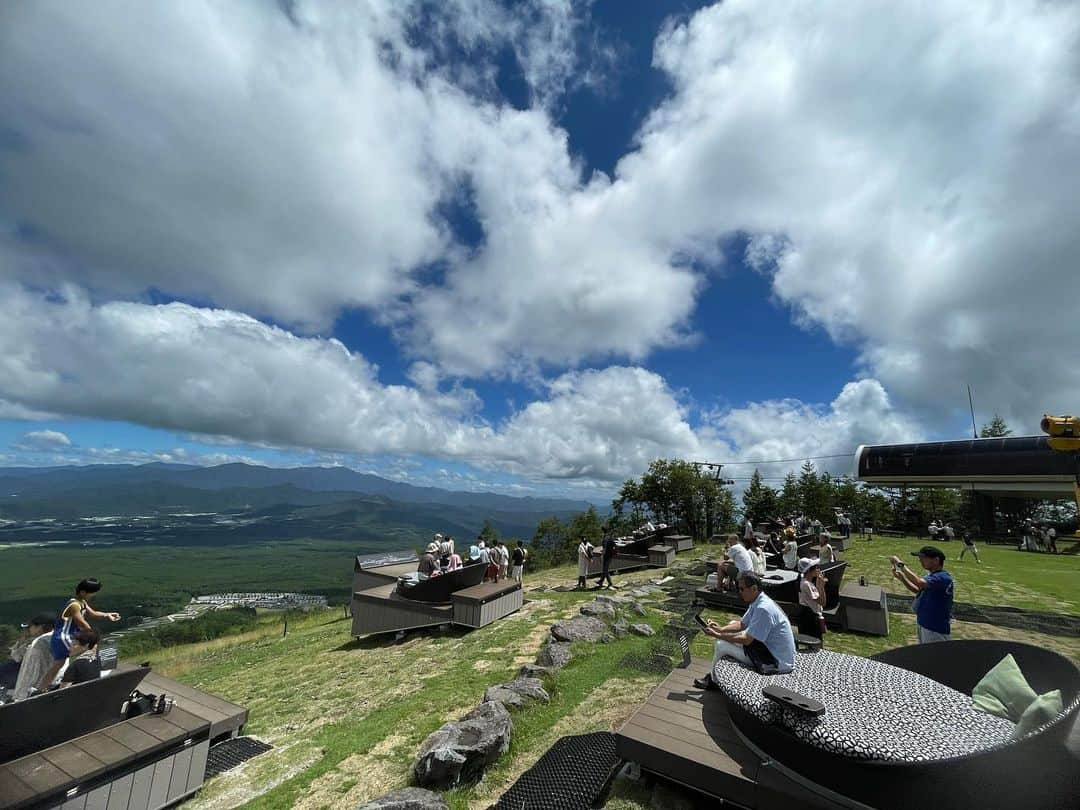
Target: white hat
x: 432, y: 548
x: 437, y: 537
x: 806, y: 563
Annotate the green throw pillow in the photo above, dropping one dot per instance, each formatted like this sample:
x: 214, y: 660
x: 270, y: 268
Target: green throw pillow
x: 1042, y: 710
x: 1003, y: 691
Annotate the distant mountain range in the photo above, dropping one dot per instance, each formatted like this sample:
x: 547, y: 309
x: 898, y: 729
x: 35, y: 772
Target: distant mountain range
x: 65, y: 493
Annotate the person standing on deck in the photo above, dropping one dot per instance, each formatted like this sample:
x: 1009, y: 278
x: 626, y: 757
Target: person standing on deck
x: 72, y: 619
x: 518, y: 561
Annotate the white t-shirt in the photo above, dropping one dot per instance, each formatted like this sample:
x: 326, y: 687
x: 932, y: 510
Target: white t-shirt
x: 741, y: 557
x: 791, y: 554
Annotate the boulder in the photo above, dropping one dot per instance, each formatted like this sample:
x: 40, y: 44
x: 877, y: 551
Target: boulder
x: 461, y: 750
x: 411, y: 798
x: 603, y: 610
x: 554, y: 655
x: 609, y: 599
x: 517, y: 693
x: 642, y: 630
x: 579, y: 628
x: 638, y: 609
x: 534, y: 671
x: 621, y: 628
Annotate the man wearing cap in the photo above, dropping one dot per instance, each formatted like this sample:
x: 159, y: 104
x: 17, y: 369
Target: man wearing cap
x: 933, y: 593
x: 37, y: 656
x: 428, y: 564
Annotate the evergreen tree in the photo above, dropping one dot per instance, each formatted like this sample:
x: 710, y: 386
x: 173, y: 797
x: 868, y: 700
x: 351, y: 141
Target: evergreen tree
x: 789, y: 502
x: 996, y: 428
x: 815, y: 494
x: 489, y: 534
x: 759, y: 499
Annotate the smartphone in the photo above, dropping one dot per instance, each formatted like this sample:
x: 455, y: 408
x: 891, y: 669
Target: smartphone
x: 897, y: 566
x: 699, y: 620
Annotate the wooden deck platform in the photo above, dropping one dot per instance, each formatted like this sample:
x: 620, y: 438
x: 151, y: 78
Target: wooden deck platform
x: 226, y: 719
x: 684, y: 734
x: 146, y: 762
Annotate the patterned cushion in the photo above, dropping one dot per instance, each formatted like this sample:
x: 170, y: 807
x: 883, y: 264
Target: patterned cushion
x: 917, y: 718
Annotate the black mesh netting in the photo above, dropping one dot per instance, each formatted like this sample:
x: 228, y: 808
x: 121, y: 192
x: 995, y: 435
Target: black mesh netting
x: 572, y: 775
x: 228, y: 754
x: 665, y: 649
x: 1056, y: 624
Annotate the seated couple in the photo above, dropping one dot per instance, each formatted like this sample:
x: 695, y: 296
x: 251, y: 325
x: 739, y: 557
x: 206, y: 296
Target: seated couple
x: 761, y: 639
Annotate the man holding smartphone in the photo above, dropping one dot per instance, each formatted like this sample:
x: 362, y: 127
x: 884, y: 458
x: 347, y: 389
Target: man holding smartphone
x: 761, y: 639
x: 933, y: 593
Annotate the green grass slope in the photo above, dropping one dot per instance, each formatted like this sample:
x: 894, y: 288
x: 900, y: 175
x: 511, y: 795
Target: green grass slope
x: 347, y: 717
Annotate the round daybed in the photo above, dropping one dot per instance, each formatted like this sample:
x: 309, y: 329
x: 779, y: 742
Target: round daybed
x: 899, y: 729
x: 438, y: 590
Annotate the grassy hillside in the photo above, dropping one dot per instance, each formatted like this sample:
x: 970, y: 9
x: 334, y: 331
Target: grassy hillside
x: 346, y: 717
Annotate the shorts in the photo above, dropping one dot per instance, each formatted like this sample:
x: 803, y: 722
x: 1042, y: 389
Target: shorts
x: 60, y: 650
x: 928, y: 636
x: 492, y: 571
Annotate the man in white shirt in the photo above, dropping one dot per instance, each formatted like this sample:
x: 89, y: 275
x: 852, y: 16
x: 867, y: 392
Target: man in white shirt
x: 738, y: 562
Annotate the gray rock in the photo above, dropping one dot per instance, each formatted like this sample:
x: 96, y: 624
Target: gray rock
x: 638, y: 609
x: 461, y: 750
x: 554, y: 655
x: 412, y: 798
x: 604, y: 610
x: 642, y: 630
x: 534, y: 671
x: 621, y: 628
x: 607, y: 638
x: 579, y: 628
x: 517, y: 693
x: 609, y: 599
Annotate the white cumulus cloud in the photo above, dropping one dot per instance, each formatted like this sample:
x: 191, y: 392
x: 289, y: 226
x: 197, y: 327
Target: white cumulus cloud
x: 39, y: 441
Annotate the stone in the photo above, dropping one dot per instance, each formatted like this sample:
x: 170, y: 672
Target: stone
x: 534, y: 671
x: 461, y: 750
x: 517, y: 693
x: 554, y: 655
x: 607, y: 638
x: 638, y: 609
x: 642, y: 630
x: 605, y: 598
x: 621, y: 628
x: 599, y: 609
x: 579, y: 628
x: 411, y: 798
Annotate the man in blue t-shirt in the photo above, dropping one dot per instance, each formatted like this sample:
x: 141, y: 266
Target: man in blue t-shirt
x: 933, y: 593
x: 761, y: 639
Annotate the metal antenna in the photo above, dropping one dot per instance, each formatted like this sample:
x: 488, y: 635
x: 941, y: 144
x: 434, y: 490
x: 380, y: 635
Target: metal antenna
x: 971, y: 405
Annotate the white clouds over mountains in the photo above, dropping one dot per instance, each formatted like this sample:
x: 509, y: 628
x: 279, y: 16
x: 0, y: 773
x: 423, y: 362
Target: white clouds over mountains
x: 221, y: 373
x: 906, y: 173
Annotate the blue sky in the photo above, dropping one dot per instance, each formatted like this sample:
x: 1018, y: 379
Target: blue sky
x: 528, y: 246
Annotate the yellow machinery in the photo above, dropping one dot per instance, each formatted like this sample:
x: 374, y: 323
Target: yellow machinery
x: 1064, y: 433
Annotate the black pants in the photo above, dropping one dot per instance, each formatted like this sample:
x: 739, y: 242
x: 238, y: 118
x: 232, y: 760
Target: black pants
x: 605, y: 574
x: 809, y: 623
